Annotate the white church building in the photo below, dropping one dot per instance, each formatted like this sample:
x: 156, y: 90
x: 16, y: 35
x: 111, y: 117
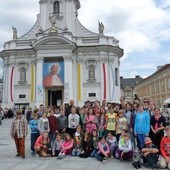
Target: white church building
x: 59, y: 59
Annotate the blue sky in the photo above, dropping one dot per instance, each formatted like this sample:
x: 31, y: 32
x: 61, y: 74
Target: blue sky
x: 141, y: 26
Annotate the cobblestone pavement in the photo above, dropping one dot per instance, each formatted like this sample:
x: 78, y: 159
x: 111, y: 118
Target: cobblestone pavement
x: 9, y: 162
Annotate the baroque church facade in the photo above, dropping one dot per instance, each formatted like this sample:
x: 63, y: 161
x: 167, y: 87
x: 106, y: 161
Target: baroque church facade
x: 59, y: 59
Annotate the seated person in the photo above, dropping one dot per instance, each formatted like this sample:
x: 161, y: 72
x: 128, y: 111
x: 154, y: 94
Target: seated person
x: 87, y: 146
x: 111, y: 140
x: 41, y: 145
x: 66, y: 147
x: 78, y: 139
x: 124, y: 150
x: 57, y: 145
x: 165, y: 149
x: 104, y: 150
x: 149, y: 153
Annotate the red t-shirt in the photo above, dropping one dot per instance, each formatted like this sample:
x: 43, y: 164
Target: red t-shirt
x: 165, y: 147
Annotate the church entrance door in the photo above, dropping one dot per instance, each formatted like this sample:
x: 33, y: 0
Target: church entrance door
x: 55, y: 97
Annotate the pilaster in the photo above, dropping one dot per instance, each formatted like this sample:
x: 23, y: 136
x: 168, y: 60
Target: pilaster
x: 68, y: 78
x: 39, y: 82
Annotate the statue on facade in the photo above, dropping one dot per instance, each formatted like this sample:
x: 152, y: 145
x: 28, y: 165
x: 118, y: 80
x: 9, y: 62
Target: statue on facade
x: 53, y: 22
x: 41, y: 30
x: 91, y: 73
x: 14, y: 32
x: 101, y: 27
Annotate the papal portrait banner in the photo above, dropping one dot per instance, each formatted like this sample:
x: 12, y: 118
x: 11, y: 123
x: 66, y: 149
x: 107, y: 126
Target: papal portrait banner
x: 53, y: 74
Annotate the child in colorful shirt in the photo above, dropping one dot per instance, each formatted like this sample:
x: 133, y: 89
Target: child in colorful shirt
x: 34, y: 130
x: 165, y: 149
x: 66, y: 147
x: 104, y: 150
x: 78, y: 139
x: 57, y: 145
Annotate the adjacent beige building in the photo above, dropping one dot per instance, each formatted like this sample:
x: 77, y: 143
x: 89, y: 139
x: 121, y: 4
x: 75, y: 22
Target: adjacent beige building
x: 156, y: 87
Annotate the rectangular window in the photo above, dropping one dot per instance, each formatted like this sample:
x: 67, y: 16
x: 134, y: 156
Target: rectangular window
x: 168, y: 84
x: 92, y: 94
x: 22, y: 96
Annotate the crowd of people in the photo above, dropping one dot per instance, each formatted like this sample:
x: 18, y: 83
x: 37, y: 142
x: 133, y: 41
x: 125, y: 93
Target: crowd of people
x: 116, y: 130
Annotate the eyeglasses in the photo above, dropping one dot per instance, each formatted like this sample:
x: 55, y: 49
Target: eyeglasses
x: 145, y: 101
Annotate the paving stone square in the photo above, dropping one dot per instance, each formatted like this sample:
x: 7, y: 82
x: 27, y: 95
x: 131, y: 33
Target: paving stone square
x: 9, y: 162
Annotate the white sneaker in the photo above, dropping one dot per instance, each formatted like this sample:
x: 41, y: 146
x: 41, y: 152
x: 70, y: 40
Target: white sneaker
x: 62, y: 155
x: 104, y: 161
x: 37, y: 156
x: 169, y: 166
x: 59, y: 156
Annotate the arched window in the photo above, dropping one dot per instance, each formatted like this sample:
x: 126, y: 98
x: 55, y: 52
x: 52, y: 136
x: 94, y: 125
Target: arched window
x: 116, y: 76
x: 22, y: 74
x: 56, y: 7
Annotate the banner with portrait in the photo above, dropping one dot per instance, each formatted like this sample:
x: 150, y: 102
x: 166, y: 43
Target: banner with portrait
x: 53, y: 74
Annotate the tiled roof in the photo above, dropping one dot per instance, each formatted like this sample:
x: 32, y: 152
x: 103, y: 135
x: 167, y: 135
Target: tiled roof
x: 124, y: 82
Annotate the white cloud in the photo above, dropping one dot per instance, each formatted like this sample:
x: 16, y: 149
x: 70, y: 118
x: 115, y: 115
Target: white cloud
x: 139, y: 25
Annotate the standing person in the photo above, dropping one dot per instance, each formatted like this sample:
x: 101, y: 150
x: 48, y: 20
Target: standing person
x: 146, y: 105
x: 165, y: 149
x: 62, y: 123
x: 102, y: 122
x: 116, y: 107
x: 121, y: 123
x: 34, y: 130
x: 1, y: 115
x: 151, y: 108
x: 29, y: 114
x: 111, y: 121
x: 142, y: 126
x: 90, y: 121
x: 82, y: 115
x: 43, y: 124
x: 122, y: 103
x: 41, y: 110
x: 128, y: 114
x: 69, y: 108
x: 53, y: 127
x: 73, y: 121
x: 104, y: 150
x: 19, y: 131
x: 157, y: 128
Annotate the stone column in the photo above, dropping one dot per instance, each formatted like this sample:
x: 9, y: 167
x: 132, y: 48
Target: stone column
x: 5, y: 83
x: 39, y: 82
x: 68, y: 78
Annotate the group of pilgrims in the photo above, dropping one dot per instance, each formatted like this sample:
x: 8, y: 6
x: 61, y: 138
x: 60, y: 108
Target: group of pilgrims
x: 107, y: 130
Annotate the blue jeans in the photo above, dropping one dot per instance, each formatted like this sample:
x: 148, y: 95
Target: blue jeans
x: 99, y: 156
x: 141, y: 138
x: 93, y: 153
x: 34, y: 137
x: 76, y: 152
x: 113, y: 148
x: 52, y: 137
